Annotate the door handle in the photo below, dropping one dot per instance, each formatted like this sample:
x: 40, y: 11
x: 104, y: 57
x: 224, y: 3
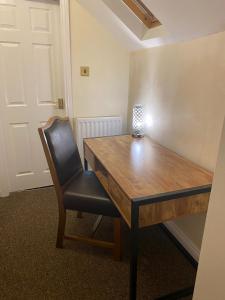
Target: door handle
x: 60, y: 103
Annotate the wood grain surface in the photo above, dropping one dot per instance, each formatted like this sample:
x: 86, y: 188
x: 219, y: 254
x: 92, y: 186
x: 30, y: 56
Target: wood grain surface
x: 130, y: 169
x: 144, y: 168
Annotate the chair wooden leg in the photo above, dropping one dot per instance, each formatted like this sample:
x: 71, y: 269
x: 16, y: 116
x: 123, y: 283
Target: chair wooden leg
x: 61, y: 229
x: 117, y: 239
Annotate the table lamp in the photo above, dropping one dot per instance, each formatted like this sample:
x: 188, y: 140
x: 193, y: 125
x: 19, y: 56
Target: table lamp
x: 138, y: 121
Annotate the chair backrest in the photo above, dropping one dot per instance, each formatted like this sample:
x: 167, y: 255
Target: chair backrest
x: 61, y: 150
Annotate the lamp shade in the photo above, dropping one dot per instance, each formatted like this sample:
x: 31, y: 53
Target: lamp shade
x: 138, y: 121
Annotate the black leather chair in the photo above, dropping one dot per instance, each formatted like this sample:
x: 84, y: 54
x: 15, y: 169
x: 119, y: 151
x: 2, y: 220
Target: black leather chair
x: 76, y: 189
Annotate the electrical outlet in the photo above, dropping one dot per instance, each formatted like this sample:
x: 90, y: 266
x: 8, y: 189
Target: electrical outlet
x: 84, y: 71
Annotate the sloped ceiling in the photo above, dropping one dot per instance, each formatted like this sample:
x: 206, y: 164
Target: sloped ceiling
x: 182, y: 20
x: 187, y: 19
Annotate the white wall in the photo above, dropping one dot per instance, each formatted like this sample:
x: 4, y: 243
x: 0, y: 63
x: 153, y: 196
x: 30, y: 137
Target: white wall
x: 211, y: 271
x: 182, y: 88
x: 105, y: 92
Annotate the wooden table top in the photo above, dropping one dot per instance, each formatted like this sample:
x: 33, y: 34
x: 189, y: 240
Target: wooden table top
x: 143, y: 168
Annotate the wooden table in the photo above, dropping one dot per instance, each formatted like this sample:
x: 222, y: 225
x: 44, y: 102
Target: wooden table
x: 148, y: 183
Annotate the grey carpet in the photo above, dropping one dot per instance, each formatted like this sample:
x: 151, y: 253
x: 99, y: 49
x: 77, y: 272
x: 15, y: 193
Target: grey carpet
x: 32, y: 268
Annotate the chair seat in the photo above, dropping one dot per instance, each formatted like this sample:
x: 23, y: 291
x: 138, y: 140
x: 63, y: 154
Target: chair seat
x: 85, y: 193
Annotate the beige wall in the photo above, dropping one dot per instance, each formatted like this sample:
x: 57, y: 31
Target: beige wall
x: 182, y: 87
x: 211, y: 271
x: 105, y: 92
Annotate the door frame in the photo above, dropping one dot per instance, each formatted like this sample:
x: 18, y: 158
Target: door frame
x: 64, y: 7
x: 4, y: 174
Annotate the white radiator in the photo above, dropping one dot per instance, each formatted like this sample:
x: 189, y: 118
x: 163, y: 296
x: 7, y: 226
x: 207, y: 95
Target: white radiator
x: 96, y: 127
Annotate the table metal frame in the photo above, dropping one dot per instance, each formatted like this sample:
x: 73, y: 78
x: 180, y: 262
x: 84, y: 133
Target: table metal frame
x: 135, y: 231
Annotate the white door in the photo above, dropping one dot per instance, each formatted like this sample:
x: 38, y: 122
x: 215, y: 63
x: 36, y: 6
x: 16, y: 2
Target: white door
x: 30, y: 84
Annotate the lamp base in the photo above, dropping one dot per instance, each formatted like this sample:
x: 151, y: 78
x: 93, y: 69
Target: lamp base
x: 137, y: 135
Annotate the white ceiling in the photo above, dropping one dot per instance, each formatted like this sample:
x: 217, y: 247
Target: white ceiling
x: 182, y: 20
x: 189, y: 18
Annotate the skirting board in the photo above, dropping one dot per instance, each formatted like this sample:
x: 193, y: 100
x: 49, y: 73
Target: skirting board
x: 185, y: 241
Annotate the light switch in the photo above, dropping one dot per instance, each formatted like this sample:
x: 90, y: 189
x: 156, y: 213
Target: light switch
x: 84, y: 71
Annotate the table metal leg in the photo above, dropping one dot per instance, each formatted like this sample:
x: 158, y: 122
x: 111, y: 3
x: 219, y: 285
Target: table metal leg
x: 178, y: 294
x: 85, y: 165
x: 96, y: 225
x: 134, y: 250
